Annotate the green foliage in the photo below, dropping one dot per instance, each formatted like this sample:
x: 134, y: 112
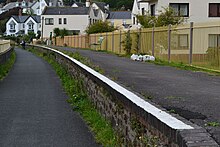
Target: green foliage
x: 213, y: 124
x: 137, y: 42
x: 5, y: 68
x: 3, y: 26
x: 167, y: 16
x: 63, y: 32
x: 99, y: 27
x: 127, y: 43
x: 56, y: 32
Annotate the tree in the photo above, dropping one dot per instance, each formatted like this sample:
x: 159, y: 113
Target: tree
x: 63, y: 32
x: 127, y: 43
x: 167, y: 16
x: 100, y: 27
x: 56, y: 32
x: 3, y: 26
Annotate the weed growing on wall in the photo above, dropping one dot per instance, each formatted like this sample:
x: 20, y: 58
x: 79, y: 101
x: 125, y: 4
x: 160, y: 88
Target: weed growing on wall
x: 5, y: 68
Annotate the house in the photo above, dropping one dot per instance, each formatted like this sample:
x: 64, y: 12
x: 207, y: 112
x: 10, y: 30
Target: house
x: 120, y: 19
x: 194, y: 10
x: 19, y: 25
x: 140, y: 7
x: 73, y: 19
x: 35, y: 7
x: 98, y: 11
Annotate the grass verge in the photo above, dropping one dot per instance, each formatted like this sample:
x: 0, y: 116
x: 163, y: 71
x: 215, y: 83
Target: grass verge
x: 184, y: 66
x: 79, y: 101
x: 5, y: 68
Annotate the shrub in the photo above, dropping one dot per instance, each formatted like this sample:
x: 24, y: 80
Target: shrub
x: 100, y: 27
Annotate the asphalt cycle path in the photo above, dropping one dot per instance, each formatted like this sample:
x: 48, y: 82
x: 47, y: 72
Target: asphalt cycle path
x: 34, y: 111
x: 193, y: 95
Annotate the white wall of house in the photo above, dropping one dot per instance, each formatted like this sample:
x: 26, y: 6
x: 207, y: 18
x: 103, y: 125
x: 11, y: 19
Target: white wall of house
x: 74, y: 22
x: 35, y: 26
x: 137, y: 10
x: 8, y: 29
x: 198, y: 10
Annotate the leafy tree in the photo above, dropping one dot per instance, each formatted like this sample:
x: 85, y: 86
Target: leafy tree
x: 63, y: 32
x: 3, y: 26
x: 167, y: 16
x: 100, y: 27
x: 56, y: 32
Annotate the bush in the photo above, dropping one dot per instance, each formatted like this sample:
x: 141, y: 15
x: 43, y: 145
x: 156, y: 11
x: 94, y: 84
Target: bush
x: 166, y: 17
x: 99, y: 27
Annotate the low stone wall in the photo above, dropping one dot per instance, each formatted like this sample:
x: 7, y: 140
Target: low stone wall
x: 137, y: 122
x: 4, y: 56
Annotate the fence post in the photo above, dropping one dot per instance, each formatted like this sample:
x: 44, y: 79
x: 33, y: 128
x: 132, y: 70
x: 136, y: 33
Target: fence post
x: 191, y: 43
x: 113, y: 41
x: 120, y: 42
x: 153, y: 40
x: 169, y: 41
x: 139, y: 40
x: 106, y: 45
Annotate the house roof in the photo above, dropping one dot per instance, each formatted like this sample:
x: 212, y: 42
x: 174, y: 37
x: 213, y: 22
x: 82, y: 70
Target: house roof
x: 79, y: 4
x: 120, y: 15
x: 66, y: 11
x: 101, y: 5
x: 22, y: 19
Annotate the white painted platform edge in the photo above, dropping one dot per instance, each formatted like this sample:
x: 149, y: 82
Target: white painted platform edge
x: 159, y: 114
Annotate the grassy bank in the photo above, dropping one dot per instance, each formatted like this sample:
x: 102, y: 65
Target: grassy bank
x: 5, y: 68
x: 79, y: 101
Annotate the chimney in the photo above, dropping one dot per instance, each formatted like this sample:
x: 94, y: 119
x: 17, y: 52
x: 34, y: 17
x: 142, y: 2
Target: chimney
x: 87, y: 3
x: 20, y: 12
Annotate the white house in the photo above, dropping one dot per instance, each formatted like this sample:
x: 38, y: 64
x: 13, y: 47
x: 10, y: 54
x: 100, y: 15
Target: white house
x: 140, y: 7
x: 98, y: 11
x: 73, y: 19
x: 194, y: 10
x: 19, y: 25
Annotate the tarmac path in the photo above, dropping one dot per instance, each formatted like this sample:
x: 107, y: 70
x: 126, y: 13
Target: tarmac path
x: 193, y: 95
x: 34, y: 111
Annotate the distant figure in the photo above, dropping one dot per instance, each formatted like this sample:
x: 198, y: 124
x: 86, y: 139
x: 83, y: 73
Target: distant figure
x: 23, y: 44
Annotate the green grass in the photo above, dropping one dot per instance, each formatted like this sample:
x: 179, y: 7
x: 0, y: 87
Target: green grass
x: 80, y: 102
x: 213, y: 124
x: 184, y: 66
x: 84, y: 60
x: 5, y: 68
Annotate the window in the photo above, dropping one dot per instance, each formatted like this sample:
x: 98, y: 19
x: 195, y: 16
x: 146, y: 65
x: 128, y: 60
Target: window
x: 214, y: 40
x: 152, y: 10
x: 12, y: 27
x: 180, y: 42
x: 48, y: 21
x: 23, y: 26
x: 142, y: 11
x: 180, y: 9
x: 30, y: 26
x: 214, y: 10
x: 64, y: 21
x: 60, y: 20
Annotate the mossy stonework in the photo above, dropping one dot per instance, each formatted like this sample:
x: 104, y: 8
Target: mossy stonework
x: 133, y: 125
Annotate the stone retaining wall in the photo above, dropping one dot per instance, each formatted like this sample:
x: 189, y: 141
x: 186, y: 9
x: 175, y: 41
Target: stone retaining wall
x: 4, y: 56
x: 137, y: 122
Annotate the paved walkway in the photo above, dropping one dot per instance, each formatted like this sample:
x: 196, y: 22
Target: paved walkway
x: 193, y: 95
x: 33, y: 110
